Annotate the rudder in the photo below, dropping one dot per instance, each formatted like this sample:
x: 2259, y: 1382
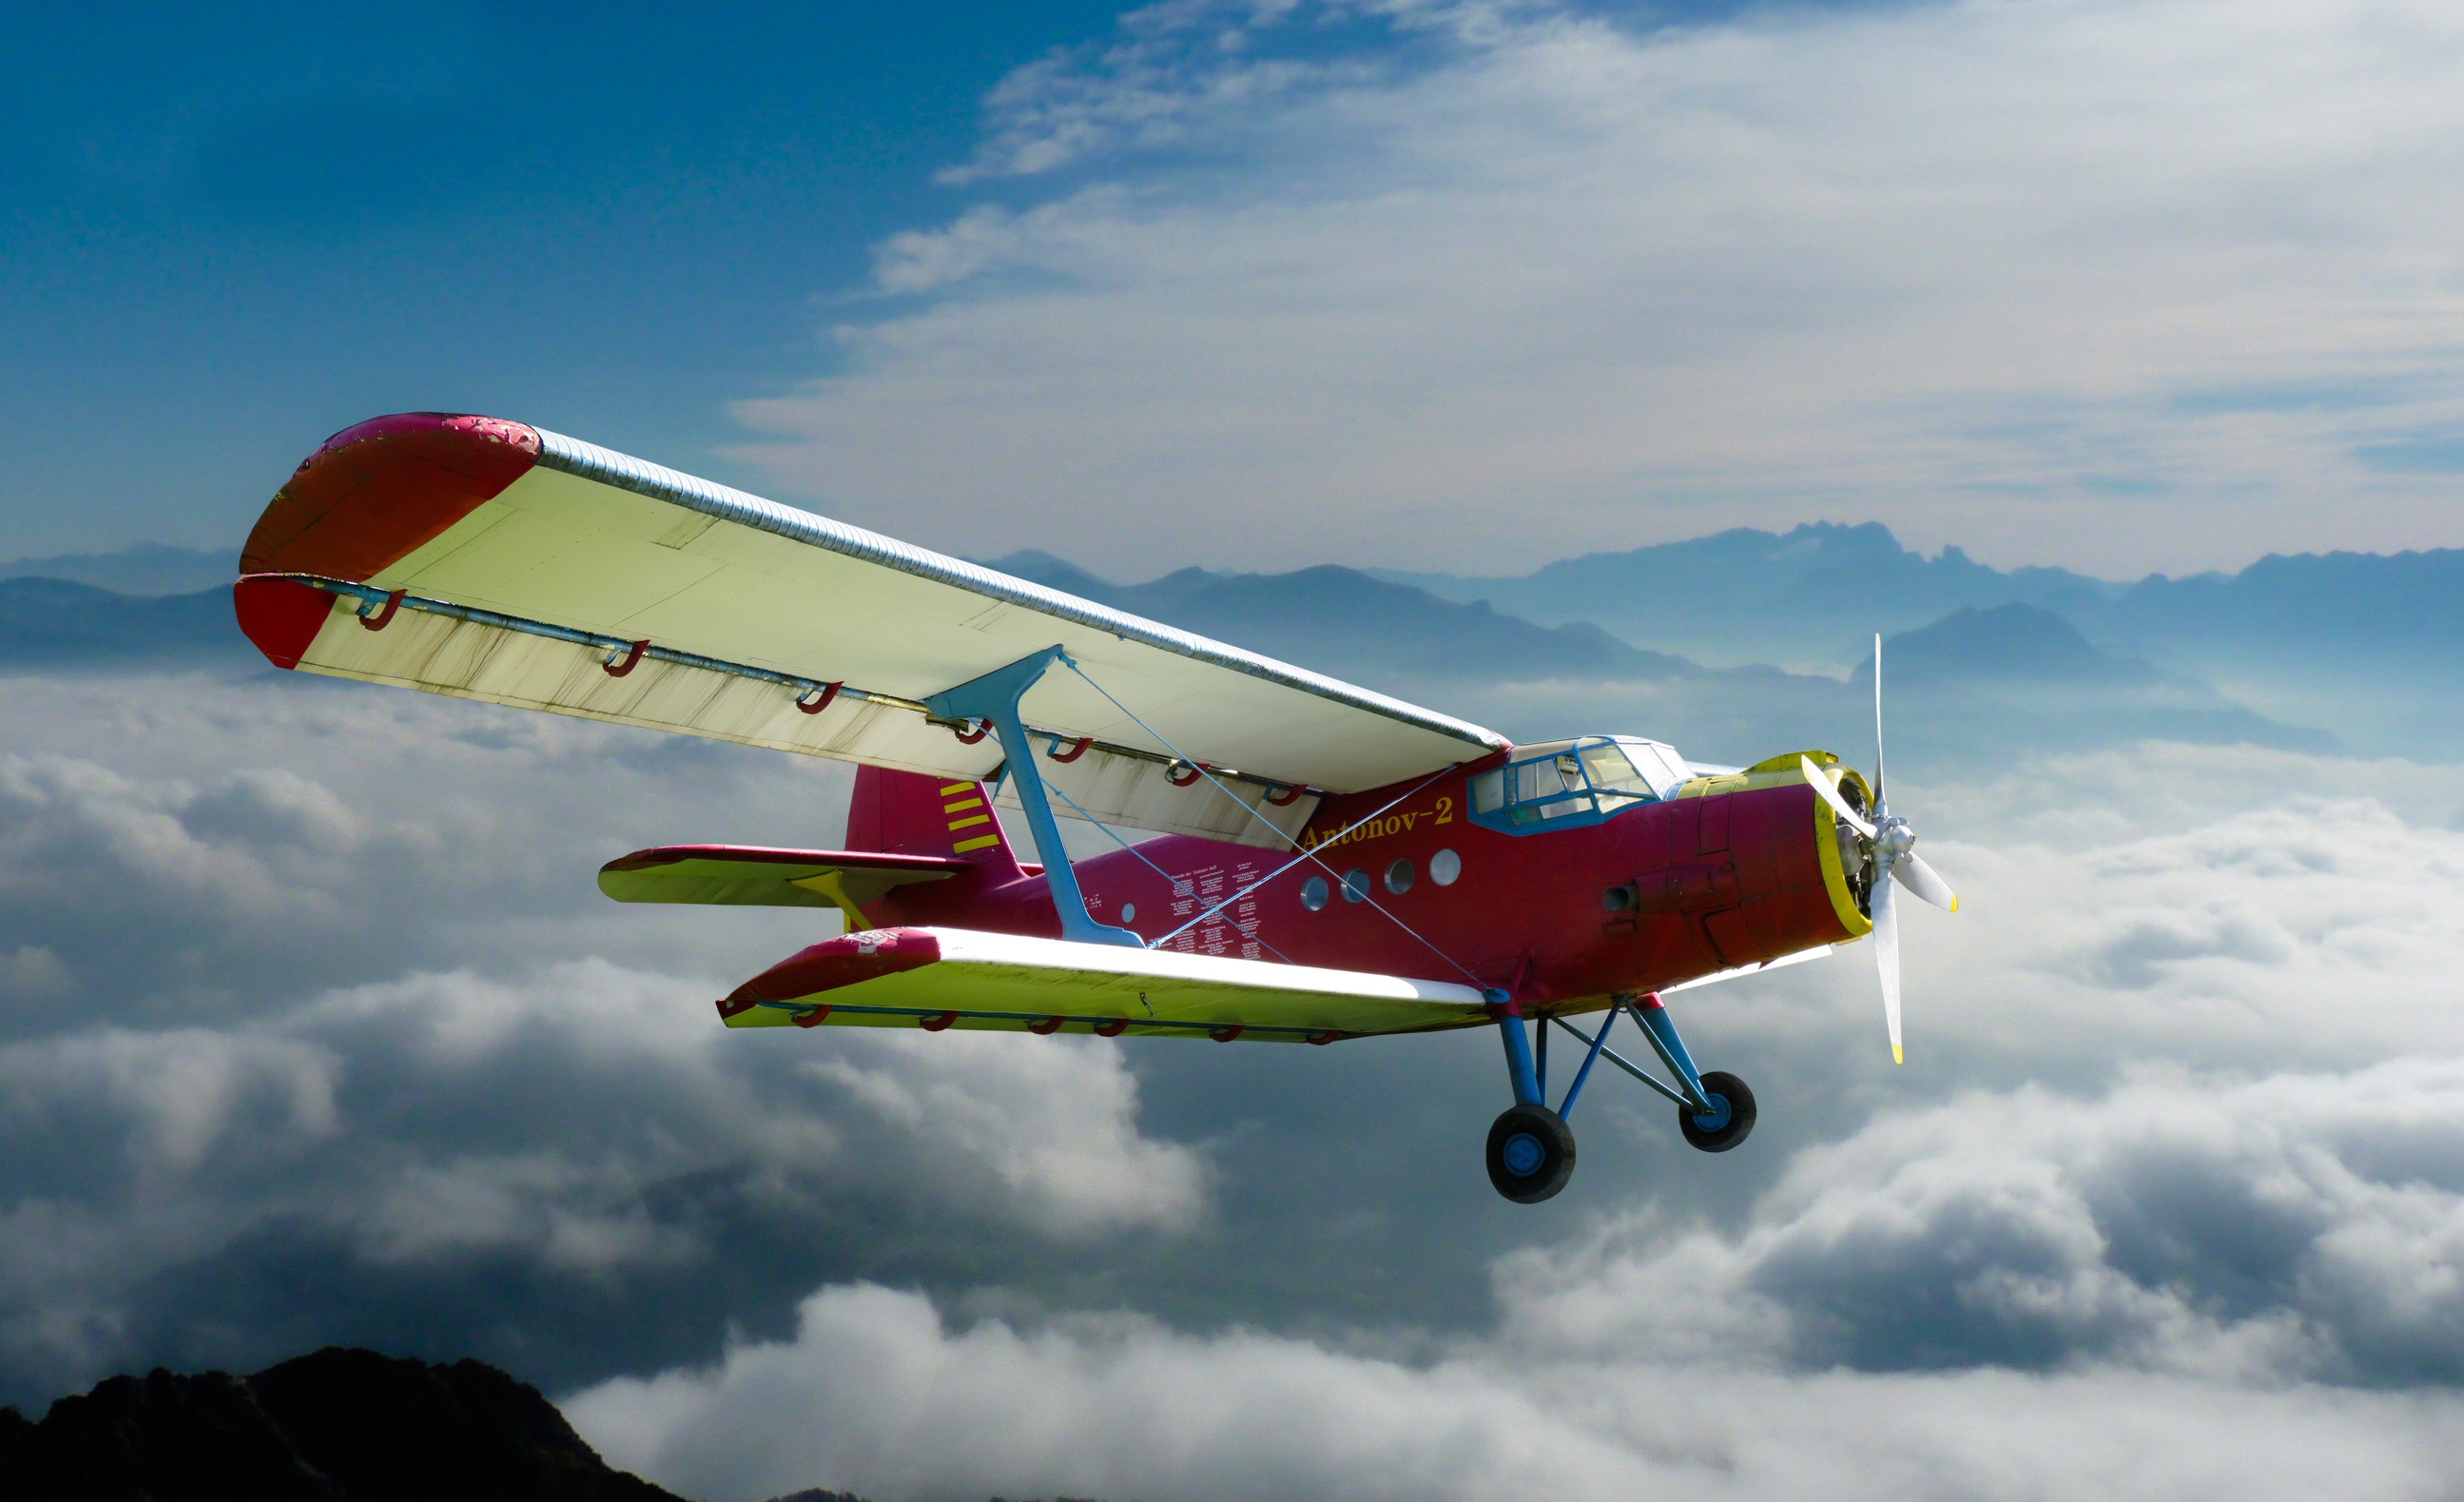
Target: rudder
x: 907, y: 813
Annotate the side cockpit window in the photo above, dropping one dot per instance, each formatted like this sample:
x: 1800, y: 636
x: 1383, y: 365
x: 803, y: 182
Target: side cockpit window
x: 1546, y: 785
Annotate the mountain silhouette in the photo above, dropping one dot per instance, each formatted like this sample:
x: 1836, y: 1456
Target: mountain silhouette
x: 2007, y: 644
x: 58, y: 623
x: 1813, y: 593
x: 1352, y: 625
x: 340, y: 1424
x: 147, y: 568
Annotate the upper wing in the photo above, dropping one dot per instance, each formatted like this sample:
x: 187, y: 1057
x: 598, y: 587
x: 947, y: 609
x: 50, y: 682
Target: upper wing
x: 743, y: 875
x: 963, y: 978
x: 530, y: 565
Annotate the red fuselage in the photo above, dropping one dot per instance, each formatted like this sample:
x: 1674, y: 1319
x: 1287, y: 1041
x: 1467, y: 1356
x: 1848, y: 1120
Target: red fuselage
x: 1660, y: 892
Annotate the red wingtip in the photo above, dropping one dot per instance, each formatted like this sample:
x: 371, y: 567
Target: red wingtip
x: 834, y: 963
x: 373, y: 492
x: 282, y: 616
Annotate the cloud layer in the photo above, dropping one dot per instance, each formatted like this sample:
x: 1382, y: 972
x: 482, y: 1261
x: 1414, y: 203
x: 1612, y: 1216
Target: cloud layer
x: 316, y: 1031
x: 316, y: 1028
x: 2119, y: 284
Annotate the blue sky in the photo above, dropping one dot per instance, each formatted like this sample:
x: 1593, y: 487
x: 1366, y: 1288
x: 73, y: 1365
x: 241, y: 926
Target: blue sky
x: 231, y: 230
x: 1455, y: 285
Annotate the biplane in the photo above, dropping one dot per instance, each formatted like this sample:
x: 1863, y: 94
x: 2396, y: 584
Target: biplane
x: 1320, y: 863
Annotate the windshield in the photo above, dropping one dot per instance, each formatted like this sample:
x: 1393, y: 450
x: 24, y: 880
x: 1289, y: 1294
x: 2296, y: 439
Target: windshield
x: 1565, y: 778
x: 1656, y: 763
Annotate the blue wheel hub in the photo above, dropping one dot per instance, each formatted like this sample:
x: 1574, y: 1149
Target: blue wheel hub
x: 1524, y: 1154
x: 1714, y: 1120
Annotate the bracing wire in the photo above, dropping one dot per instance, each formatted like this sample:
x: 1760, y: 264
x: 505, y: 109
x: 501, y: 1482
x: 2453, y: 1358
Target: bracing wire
x: 1305, y: 853
x: 1179, y: 886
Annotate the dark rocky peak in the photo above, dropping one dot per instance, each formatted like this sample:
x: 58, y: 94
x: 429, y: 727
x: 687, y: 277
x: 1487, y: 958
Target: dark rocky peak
x: 336, y: 1426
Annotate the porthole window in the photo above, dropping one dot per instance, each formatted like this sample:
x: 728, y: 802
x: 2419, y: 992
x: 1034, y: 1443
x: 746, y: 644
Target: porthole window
x: 1398, y: 877
x: 1129, y: 912
x: 1444, y: 867
x: 1355, y: 885
x: 1314, y: 893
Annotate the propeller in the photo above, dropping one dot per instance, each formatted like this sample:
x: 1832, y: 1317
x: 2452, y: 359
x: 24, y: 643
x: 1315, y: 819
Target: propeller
x: 1889, y: 849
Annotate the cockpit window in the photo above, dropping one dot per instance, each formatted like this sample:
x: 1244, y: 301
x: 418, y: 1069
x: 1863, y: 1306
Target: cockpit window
x: 1569, y: 778
x: 1657, y: 763
x: 1612, y: 775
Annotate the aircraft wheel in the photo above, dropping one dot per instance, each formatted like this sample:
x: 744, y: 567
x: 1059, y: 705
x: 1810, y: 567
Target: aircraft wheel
x: 1731, y: 1121
x: 1530, y: 1154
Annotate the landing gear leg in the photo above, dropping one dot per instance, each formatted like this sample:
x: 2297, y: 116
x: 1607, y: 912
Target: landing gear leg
x: 1531, y: 1148
x: 1718, y: 1112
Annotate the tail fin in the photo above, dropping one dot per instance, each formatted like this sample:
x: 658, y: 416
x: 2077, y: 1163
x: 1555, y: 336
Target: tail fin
x: 906, y: 814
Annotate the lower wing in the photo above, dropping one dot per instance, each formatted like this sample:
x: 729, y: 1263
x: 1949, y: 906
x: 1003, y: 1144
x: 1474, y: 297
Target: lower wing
x: 937, y: 977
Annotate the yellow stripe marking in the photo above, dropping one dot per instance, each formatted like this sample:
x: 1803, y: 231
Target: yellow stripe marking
x: 962, y: 805
x: 987, y: 842
x: 956, y: 788
x: 955, y: 825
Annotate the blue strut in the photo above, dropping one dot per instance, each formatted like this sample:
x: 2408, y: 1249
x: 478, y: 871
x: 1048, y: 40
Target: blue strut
x: 1600, y: 1039
x: 1671, y: 1048
x: 1518, y: 1049
x: 994, y: 698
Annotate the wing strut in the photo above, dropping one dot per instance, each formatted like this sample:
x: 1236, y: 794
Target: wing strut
x: 993, y: 699
x: 1306, y: 853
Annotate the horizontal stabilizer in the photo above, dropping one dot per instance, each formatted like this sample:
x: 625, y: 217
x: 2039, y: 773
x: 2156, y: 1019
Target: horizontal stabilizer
x: 937, y: 977
x: 750, y: 876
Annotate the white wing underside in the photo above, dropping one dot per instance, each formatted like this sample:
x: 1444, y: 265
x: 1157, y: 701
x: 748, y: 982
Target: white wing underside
x: 593, y: 542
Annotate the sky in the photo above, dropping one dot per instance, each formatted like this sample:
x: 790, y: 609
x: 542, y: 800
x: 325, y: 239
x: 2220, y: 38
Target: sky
x: 313, y: 1026
x: 2121, y: 285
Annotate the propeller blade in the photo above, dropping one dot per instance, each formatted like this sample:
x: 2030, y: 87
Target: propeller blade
x: 1830, y: 794
x: 1913, y: 873
x: 1879, y: 805
x: 1886, y: 955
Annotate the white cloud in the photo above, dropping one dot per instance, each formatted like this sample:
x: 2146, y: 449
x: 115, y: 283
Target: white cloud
x: 550, y: 1125
x: 877, y: 1393
x: 2300, y: 1226
x: 2117, y: 283
x: 31, y: 970
x: 2164, y: 1200
x: 1048, y: 1126
x: 284, y: 977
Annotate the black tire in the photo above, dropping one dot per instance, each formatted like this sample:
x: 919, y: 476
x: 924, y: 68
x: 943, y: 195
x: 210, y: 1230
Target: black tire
x: 1719, y: 1133
x: 1530, y: 1154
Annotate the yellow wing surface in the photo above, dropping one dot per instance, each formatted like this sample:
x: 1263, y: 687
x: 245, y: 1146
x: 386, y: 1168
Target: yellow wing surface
x: 494, y: 561
x: 937, y: 977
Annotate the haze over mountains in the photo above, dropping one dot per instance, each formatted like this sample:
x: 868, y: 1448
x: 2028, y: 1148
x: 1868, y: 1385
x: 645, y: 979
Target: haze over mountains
x: 147, y: 568
x: 1979, y: 677
x: 1813, y: 593
x: 2363, y: 643
x: 2308, y: 652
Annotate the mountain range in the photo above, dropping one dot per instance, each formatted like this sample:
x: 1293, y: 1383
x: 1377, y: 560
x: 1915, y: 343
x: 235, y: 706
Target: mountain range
x: 2310, y: 651
x: 147, y: 568
x: 1974, y: 680
x: 55, y: 623
x: 1816, y: 593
